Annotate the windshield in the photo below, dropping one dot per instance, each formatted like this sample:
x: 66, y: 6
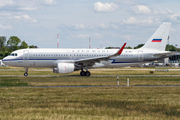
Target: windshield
x: 13, y: 54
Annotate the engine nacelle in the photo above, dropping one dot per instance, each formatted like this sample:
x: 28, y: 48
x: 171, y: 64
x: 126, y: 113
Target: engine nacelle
x: 64, y: 68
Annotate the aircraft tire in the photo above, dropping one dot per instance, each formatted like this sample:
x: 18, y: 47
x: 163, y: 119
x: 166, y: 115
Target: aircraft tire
x: 25, y: 74
x: 88, y: 73
x: 82, y: 73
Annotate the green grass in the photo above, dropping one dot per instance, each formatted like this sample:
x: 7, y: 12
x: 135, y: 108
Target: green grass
x: 86, y: 81
x: 90, y: 103
x: 12, y: 82
x: 97, y: 103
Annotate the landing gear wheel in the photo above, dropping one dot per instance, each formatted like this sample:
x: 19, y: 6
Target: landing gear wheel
x: 25, y: 74
x: 82, y: 73
x: 88, y: 73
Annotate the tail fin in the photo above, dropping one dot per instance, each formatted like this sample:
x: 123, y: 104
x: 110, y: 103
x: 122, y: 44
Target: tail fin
x: 159, y: 39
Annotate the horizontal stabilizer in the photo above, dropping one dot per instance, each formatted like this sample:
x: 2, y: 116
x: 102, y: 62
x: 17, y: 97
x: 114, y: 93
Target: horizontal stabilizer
x: 165, y: 53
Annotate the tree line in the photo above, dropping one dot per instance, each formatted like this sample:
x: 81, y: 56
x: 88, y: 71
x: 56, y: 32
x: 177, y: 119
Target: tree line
x: 168, y: 47
x: 10, y: 45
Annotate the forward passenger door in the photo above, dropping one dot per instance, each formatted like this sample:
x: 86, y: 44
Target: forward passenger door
x: 26, y: 55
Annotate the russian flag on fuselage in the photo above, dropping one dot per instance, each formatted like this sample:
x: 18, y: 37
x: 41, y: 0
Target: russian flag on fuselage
x: 156, y: 40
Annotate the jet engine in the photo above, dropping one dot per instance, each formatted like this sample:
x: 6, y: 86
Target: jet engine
x: 64, y: 68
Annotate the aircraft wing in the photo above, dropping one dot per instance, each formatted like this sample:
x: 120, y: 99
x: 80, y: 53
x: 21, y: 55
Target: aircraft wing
x: 92, y: 61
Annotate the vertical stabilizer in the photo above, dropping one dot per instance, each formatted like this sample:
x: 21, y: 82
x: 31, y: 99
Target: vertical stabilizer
x: 159, y: 39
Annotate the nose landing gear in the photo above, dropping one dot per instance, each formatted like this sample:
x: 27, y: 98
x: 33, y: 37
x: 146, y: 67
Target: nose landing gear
x: 26, y: 72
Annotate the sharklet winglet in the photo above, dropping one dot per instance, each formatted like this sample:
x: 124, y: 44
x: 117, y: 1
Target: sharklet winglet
x: 119, y: 52
x: 122, y: 48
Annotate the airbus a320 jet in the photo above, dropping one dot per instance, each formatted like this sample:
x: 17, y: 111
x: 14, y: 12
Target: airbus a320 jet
x: 69, y: 60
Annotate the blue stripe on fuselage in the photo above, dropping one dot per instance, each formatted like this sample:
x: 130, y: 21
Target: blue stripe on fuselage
x: 114, y: 61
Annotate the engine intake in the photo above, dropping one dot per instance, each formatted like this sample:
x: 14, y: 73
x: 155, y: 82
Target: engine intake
x: 64, y: 68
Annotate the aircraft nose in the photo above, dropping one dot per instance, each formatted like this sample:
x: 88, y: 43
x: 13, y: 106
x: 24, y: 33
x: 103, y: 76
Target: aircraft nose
x: 4, y: 60
x: 8, y: 61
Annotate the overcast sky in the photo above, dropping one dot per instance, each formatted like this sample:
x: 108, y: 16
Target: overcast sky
x: 106, y: 22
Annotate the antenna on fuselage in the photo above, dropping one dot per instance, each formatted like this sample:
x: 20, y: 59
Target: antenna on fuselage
x: 168, y: 42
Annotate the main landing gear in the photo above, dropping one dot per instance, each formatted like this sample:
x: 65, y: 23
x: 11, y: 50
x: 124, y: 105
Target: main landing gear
x: 83, y: 73
x: 26, y: 72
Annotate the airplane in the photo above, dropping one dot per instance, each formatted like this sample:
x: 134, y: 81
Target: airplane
x: 69, y: 60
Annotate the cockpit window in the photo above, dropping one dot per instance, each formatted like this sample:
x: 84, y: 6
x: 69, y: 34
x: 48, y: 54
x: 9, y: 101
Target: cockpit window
x: 13, y: 54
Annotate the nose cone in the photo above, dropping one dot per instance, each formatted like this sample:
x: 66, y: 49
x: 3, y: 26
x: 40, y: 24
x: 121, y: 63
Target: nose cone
x: 5, y: 61
x: 9, y: 61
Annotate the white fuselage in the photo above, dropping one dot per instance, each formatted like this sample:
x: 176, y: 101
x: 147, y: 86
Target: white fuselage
x: 50, y: 57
